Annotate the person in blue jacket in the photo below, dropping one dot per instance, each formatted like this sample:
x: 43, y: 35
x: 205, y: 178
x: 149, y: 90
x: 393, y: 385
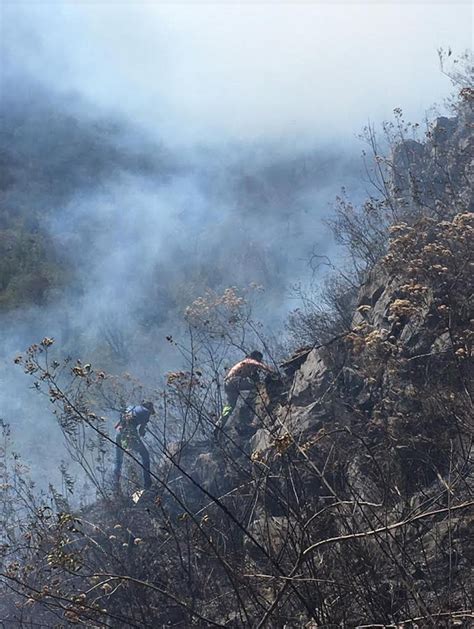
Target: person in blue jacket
x: 130, y: 427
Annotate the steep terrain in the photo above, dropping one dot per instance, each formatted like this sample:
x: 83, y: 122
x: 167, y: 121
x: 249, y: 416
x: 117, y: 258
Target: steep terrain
x: 339, y: 495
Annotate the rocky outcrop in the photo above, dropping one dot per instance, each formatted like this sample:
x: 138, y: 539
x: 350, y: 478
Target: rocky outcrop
x: 427, y: 174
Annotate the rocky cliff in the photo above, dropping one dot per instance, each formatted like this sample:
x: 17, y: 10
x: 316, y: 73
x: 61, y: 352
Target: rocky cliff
x: 345, y: 499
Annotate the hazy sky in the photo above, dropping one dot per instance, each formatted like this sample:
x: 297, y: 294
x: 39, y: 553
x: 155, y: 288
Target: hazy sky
x: 219, y: 71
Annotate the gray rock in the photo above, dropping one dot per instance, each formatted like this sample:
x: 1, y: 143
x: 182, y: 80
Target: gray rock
x: 311, y: 380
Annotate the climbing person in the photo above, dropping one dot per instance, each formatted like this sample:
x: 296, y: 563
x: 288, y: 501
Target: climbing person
x: 130, y: 427
x: 243, y: 376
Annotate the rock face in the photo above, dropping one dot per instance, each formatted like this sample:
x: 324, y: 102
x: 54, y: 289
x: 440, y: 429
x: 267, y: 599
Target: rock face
x: 427, y: 174
x: 366, y: 438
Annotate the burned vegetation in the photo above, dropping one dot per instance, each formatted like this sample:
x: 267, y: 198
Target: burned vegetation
x: 339, y: 492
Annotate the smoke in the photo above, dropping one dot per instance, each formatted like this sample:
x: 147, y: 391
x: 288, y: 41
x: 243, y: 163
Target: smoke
x: 143, y: 229
x: 160, y: 151
x: 207, y: 72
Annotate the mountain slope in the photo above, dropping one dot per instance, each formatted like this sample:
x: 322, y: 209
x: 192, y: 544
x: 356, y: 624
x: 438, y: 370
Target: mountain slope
x: 339, y: 495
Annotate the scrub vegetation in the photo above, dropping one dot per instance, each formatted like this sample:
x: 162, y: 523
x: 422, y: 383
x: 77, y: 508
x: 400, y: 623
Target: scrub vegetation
x: 338, y: 494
